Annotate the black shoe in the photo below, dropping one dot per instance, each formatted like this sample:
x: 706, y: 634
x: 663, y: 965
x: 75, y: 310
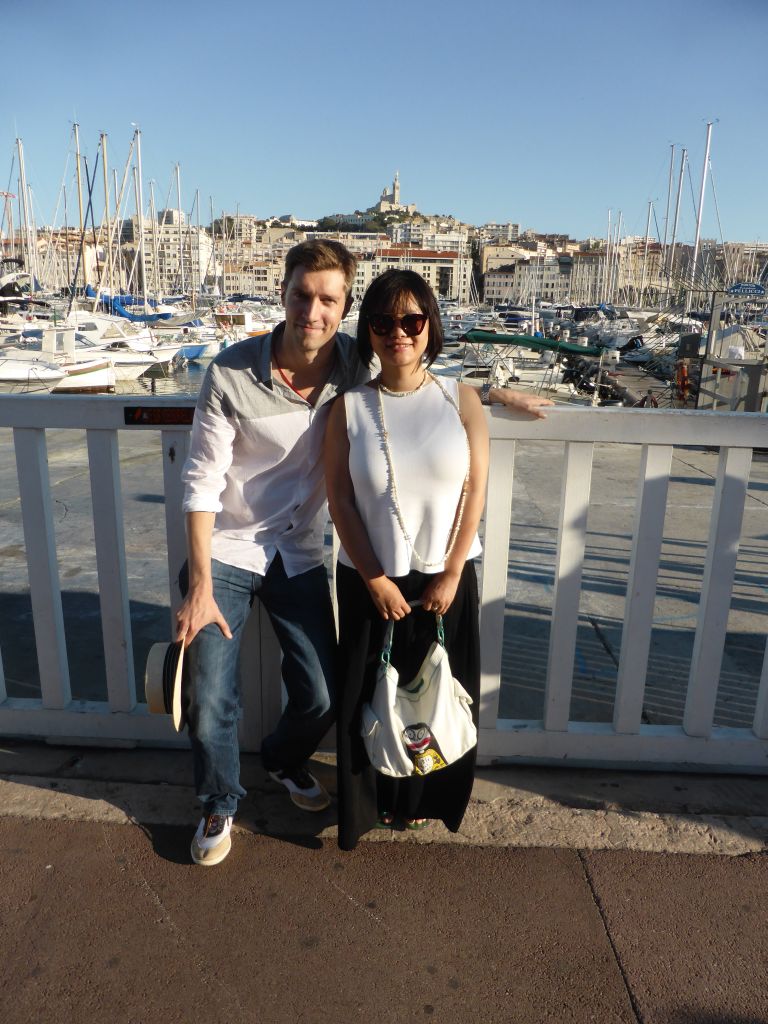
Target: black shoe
x: 306, y: 792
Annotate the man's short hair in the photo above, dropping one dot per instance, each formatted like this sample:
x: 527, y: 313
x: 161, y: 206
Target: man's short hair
x: 321, y: 254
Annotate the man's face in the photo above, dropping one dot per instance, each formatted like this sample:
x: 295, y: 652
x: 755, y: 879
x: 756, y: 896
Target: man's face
x: 315, y: 303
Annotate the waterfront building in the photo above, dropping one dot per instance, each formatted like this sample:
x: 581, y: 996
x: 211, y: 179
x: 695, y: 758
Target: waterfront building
x: 543, y: 277
x: 443, y: 234
x: 448, y: 274
x: 253, y: 277
x: 361, y: 243
x: 493, y: 255
x: 177, y: 256
x: 499, y: 233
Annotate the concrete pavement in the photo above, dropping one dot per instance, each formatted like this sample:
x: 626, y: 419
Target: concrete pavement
x: 560, y: 900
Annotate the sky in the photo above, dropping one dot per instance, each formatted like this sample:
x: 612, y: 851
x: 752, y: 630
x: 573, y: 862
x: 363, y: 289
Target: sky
x: 547, y: 114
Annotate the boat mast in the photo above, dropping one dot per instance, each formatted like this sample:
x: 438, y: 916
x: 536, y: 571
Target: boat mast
x: 663, y: 261
x: 645, y: 253
x: 670, y: 268
x: 616, y: 254
x: 213, y: 239
x: 699, y: 212
x: 120, y: 275
x: 140, y: 213
x: 31, y: 260
x: 604, y: 297
x: 66, y: 238
x: 181, y: 235
x: 155, y: 252
x: 110, y: 261
x: 199, y: 253
x: 122, y: 266
x: 76, y: 130
x: 8, y: 220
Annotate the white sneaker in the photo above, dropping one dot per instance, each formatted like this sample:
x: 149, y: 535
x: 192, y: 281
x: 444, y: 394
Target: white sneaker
x: 211, y: 842
x: 306, y: 792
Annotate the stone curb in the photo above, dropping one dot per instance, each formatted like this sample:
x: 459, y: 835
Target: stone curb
x: 528, y: 821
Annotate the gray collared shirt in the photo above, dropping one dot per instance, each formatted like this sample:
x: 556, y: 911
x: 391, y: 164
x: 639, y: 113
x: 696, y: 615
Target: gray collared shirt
x: 255, y: 457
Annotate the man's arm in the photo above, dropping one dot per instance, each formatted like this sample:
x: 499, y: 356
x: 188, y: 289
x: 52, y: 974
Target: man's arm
x: 204, y: 475
x: 199, y: 608
x: 517, y: 401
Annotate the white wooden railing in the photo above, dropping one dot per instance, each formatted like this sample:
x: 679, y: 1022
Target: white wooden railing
x: 122, y: 717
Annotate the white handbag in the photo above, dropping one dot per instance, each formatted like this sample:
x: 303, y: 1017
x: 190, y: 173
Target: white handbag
x: 423, y: 725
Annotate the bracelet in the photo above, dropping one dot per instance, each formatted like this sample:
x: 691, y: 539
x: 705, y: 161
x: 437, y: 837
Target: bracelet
x: 485, y: 393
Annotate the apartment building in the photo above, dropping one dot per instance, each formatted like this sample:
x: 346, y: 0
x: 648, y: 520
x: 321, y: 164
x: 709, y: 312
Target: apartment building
x: 177, y: 256
x: 546, y: 278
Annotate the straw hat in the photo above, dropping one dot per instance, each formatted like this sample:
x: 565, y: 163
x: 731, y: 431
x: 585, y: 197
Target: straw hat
x: 164, y: 680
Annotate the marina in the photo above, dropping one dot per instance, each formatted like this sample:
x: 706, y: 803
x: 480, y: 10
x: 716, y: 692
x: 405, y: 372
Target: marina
x: 623, y: 599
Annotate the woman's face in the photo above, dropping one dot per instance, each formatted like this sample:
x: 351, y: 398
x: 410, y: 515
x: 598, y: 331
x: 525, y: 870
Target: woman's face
x: 401, y: 335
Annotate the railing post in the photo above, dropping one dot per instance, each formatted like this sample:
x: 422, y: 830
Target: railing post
x: 175, y: 445
x: 495, y: 577
x: 42, y: 566
x: 716, y: 588
x: 571, y: 543
x: 647, y: 538
x: 106, y: 497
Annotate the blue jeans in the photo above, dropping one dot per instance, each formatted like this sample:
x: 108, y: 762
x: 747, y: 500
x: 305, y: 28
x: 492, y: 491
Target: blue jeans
x: 301, y: 613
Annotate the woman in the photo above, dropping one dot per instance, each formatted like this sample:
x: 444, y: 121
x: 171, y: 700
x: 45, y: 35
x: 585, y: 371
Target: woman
x: 406, y: 461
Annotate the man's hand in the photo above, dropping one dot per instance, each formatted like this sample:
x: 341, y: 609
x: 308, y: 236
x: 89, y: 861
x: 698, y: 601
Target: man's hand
x: 198, y: 610
x: 520, y: 401
x: 386, y: 595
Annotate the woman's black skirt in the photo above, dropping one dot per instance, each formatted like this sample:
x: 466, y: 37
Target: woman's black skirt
x: 363, y: 792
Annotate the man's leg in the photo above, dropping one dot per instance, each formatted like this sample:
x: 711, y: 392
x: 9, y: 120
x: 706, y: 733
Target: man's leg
x: 214, y: 694
x: 302, y: 615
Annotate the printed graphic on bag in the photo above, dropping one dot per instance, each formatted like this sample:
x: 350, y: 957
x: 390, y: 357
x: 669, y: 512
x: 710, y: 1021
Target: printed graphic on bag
x: 423, y: 749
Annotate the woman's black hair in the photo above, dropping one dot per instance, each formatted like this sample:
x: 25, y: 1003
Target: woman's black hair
x: 384, y: 295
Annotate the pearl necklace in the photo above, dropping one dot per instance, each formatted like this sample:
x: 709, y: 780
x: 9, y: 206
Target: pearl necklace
x: 391, y: 470
x: 403, y: 394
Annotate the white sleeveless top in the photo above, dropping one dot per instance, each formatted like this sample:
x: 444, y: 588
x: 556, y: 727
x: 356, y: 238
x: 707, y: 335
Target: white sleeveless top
x: 428, y: 444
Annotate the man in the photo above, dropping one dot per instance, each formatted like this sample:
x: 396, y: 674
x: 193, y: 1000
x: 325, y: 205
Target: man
x: 255, y: 514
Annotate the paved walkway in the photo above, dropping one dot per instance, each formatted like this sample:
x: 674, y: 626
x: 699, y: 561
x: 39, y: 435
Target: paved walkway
x: 559, y: 901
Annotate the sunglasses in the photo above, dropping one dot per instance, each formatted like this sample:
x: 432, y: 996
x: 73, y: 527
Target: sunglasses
x: 384, y: 323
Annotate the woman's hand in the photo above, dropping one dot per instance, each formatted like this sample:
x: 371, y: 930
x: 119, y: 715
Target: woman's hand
x: 440, y: 592
x: 390, y: 603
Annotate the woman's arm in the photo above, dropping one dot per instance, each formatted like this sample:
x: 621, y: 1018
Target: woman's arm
x: 441, y: 590
x: 389, y: 602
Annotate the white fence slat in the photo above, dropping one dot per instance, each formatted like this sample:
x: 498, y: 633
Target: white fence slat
x: 647, y: 537
x: 571, y: 542
x: 495, y: 573
x: 90, y: 720
x: 175, y: 444
x: 633, y: 426
x: 717, y: 584
x: 760, y: 725
x: 107, y: 500
x: 590, y: 743
x: 40, y: 543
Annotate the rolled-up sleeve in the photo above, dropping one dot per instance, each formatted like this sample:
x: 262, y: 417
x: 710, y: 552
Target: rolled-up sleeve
x: 210, y: 450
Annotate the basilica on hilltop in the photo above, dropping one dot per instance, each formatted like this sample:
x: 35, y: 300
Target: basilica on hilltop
x: 390, y: 199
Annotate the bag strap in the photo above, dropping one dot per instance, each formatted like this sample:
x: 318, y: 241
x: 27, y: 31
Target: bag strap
x: 386, y: 650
